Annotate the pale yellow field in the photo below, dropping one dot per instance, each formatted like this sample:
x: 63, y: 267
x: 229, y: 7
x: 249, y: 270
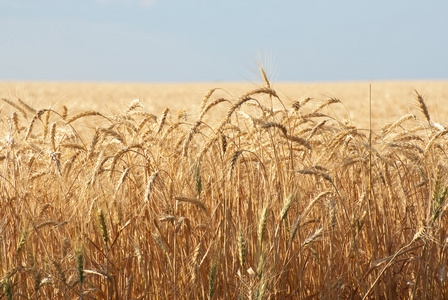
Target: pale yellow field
x: 390, y: 100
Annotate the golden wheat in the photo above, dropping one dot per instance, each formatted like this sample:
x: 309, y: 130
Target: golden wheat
x: 270, y: 203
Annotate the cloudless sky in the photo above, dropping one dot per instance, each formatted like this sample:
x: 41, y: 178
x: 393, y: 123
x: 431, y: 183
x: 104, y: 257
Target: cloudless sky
x: 223, y: 40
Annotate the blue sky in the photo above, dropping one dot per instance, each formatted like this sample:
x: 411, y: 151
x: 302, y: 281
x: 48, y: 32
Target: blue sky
x: 211, y: 40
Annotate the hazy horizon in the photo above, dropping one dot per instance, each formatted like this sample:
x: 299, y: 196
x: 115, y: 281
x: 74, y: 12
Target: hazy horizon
x: 202, y: 41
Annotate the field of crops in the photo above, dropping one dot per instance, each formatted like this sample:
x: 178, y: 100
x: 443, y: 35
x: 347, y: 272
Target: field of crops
x: 257, y: 192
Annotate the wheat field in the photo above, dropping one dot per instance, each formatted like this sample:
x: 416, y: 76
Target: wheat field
x: 223, y: 191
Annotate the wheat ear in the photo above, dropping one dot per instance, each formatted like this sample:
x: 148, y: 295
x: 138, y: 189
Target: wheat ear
x: 22, y: 111
x: 150, y: 185
x: 262, y: 226
x: 30, y: 127
x: 326, y: 103
x: 208, y: 107
x: 389, y: 127
x: 193, y: 201
x: 277, y: 125
x: 423, y: 107
x: 26, y: 106
x: 206, y: 97
x: 265, y: 78
x: 52, y: 136
x: 162, y: 120
x: 83, y: 115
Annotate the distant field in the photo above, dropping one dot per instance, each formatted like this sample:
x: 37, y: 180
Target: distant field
x: 390, y: 100
x: 169, y: 191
